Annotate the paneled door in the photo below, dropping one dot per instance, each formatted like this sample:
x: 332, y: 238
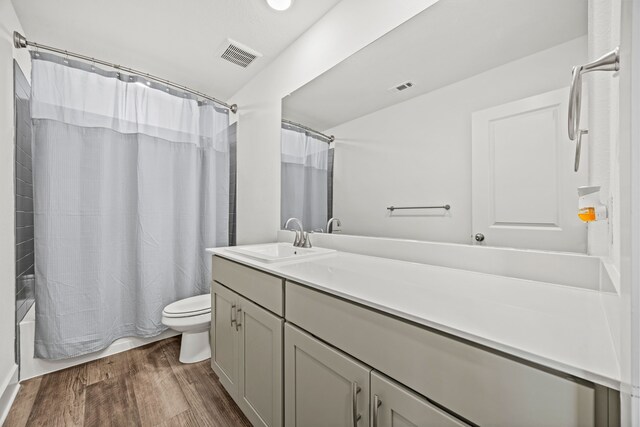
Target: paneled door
x: 260, y: 382
x: 393, y: 405
x: 323, y: 386
x: 524, y: 188
x: 224, y: 338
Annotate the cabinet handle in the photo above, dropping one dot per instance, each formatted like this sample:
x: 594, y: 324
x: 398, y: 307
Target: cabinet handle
x: 233, y: 315
x: 238, y: 317
x: 376, y: 405
x: 355, y: 389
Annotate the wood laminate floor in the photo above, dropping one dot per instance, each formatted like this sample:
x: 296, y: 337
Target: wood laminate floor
x: 146, y: 386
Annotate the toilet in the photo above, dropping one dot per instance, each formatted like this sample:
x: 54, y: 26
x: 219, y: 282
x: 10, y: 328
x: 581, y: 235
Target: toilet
x: 192, y: 317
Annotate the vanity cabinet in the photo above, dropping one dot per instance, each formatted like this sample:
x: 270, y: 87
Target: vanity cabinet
x: 246, y: 353
x: 323, y: 387
x: 224, y: 337
x: 292, y: 355
x: 474, y: 383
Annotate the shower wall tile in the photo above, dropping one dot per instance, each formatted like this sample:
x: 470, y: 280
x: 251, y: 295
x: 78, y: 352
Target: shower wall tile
x: 25, y: 265
x: 25, y: 257
x: 24, y: 204
x: 232, y: 184
x: 24, y: 219
x: 22, y: 157
x: 24, y: 233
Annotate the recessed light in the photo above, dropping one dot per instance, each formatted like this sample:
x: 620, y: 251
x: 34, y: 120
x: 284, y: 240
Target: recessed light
x: 279, y: 4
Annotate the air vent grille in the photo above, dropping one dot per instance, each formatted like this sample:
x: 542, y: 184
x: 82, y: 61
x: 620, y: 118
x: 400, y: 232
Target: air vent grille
x: 238, y: 55
x: 401, y: 87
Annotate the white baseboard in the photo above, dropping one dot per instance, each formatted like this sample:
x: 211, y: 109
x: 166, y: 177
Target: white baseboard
x: 8, y: 391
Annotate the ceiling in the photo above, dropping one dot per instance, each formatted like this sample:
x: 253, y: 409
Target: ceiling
x: 450, y: 41
x: 176, y: 40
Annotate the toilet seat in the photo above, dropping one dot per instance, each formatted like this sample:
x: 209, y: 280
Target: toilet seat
x: 189, y: 307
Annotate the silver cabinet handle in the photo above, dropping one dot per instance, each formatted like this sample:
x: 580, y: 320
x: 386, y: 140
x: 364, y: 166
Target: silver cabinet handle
x: 576, y: 164
x: 355, y: 389
x: 238, y: 317
x: 233, y: 314
x: 607, y: 62
x: 376, y: 408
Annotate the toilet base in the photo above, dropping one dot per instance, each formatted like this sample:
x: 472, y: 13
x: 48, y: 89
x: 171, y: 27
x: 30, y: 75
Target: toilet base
x: 195, y: 347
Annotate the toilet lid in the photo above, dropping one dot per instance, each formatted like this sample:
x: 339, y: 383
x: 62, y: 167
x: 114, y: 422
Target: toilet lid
x: 192, y: 306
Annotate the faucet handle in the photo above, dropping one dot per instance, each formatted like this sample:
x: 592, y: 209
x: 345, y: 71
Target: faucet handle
x: 306, y: 240
x: 298, y: 240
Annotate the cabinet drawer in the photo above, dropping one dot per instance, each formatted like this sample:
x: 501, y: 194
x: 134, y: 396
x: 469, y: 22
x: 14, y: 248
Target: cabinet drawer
x: 262, y: 288
x: 481, y: 386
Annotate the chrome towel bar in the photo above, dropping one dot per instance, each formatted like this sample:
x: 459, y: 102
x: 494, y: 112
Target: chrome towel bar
x: 393, y: 208
x: 607, y: 62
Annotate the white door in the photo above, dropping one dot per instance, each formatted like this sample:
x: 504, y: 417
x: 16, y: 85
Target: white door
x: 393, y: 405
x: 260, y: 382
x: 224, y: 338
x: 524, y: 188
x: 323, y: 387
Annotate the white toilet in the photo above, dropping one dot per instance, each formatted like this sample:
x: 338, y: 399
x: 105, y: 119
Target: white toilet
x: 192, y: 317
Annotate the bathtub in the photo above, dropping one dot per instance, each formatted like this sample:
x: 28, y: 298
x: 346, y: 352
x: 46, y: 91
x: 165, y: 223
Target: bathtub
x: 31, y: 367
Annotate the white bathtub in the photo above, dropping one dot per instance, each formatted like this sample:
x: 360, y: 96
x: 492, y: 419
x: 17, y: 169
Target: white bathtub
x: 32, y: 367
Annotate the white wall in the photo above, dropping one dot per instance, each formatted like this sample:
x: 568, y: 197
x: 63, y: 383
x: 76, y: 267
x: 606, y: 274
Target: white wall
x: 8, y: 23
x: 419, y: 151
x: 336, y: 36
x: 603, y: 91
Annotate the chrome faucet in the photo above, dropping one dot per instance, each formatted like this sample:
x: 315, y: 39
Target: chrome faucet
x: 302, y: 238
x: 330, y: 223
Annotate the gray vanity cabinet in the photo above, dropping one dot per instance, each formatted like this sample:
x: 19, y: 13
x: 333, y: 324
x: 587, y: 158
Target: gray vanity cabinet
x: 246, y: 342
x: 260, y: 362
x: 393, y: 405
x: 224, y: 337
x: 323, y: 387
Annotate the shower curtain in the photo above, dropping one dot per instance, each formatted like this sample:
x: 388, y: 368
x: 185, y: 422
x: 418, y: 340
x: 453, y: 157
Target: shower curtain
x: 304, y: 180
x: 131, y: 184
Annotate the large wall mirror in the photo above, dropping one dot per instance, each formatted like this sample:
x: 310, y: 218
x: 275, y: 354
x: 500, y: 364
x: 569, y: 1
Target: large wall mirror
x: 463, y: 141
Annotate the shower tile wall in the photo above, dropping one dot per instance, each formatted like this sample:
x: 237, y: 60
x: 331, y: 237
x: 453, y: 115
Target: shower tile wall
x: 24, y: 197
x: 232, y: 183
x: 330, y: 185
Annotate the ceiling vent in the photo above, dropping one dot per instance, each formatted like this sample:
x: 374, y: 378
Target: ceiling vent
x: 237, y: 53
x: 401, y: 87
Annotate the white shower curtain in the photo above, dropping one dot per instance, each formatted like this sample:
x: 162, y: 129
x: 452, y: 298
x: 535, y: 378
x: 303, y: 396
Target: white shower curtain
x: 304, y: 180
x: 131, y: 184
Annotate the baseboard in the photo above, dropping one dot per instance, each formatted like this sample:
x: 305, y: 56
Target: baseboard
x: 8, y: 391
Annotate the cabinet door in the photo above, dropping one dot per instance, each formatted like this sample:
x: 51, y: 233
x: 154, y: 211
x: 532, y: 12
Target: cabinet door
x: 260, y: 381
x: 224, y: 338
x: 394, y: 405
x: 323, y: 387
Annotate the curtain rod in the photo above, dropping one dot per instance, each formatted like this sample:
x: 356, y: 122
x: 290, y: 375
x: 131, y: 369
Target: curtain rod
x: 20, y: 42
x: 330, y: 138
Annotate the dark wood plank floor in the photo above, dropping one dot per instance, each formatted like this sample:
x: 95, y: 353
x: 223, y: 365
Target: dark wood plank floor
x: 146, y: 386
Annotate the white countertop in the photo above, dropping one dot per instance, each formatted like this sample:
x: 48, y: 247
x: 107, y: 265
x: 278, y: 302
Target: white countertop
x: 560, y: 327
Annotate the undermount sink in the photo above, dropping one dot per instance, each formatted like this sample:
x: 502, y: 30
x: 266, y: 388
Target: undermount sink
x: 278, y: 252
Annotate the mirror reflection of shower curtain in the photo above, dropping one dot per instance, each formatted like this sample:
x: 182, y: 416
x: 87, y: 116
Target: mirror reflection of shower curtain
x: 304, y: 181
x: 131, y: 185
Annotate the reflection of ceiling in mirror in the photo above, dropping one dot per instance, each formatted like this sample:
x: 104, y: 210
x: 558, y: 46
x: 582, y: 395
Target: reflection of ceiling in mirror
x: 448, y: 42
